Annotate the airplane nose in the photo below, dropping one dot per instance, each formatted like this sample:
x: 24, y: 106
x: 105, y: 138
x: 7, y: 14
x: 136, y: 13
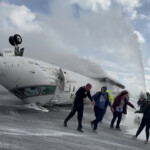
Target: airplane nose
x: 3, y: 71
x: 2, y: 66
x: 9, y: 72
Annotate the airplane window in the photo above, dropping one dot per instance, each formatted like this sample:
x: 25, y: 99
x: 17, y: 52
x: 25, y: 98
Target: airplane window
x: 29, y: 91
x: 18, y: 93
x: 26, y: 92
x: 47, y: 89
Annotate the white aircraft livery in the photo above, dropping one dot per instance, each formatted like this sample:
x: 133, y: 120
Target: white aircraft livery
x: 39, y: 83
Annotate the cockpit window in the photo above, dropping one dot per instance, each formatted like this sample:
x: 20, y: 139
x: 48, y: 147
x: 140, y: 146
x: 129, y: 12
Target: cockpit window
x: 26, y: 92
x: 29, y: 91
x: 47, y: 89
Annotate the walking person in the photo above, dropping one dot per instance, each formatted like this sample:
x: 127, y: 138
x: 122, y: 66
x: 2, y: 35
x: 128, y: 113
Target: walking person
x: 120, y: 107
x: 101, y: 101
x: 141, y: 101
x: 78, y: 105
x: 111, y: 99
x: 145, y: 121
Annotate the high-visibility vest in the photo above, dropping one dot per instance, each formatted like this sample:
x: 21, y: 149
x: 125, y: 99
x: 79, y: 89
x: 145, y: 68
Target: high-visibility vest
x: 111, y: 99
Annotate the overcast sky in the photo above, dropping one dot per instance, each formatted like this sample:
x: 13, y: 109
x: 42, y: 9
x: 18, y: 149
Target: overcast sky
x: 86, y: 36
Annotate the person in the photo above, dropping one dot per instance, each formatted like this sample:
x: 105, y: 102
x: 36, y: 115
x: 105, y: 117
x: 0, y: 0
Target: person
x: 145, y: 121
x: 148, y: 96
x: 120, y: 107
x: 111, y: 99
x: 101, y: 99
x: 141, y: 101
x: 78, y: 105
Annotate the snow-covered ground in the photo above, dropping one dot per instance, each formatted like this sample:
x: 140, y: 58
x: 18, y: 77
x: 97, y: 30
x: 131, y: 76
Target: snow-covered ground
x: 27, y: 129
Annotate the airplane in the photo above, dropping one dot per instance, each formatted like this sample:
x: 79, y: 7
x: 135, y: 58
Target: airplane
x: 38, y: 83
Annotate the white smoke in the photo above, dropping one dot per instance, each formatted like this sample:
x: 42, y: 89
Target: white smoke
x: 78, y: 37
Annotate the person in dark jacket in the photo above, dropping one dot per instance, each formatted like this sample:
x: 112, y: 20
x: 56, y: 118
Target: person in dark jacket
x: 78, y: 105
x: 145, y: 121
x: 120, y: 106
x: 141, y: 101
x: 101, y: 99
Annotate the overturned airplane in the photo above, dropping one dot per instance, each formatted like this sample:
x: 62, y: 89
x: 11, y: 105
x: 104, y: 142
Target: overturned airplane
x: 39, y: 83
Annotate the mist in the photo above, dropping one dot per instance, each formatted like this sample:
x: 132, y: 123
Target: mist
x: 79, y: 38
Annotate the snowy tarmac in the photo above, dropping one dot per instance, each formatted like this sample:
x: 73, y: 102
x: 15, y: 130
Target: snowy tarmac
x: 22, y: 128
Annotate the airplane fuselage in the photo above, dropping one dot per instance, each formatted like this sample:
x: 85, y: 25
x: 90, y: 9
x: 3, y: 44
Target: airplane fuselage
x: 36, y: 81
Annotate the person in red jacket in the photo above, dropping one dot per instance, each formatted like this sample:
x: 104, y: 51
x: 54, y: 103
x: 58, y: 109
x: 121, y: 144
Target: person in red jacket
x: 120, y: 107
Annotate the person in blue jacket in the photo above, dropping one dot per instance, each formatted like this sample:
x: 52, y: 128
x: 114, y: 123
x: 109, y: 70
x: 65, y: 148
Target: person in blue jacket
x: 101, y: 99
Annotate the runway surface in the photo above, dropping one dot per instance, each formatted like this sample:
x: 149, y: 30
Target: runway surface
x: 22, y: 128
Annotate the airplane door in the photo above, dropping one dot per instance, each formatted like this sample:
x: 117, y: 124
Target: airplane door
x: 66, y: 81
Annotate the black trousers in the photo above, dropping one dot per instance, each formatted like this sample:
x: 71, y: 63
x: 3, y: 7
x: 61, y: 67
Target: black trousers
x: 115, y: 116
x: 79, y: 109
x: 99, y: 113
x: 144, y: 122
x: 104, y: 112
